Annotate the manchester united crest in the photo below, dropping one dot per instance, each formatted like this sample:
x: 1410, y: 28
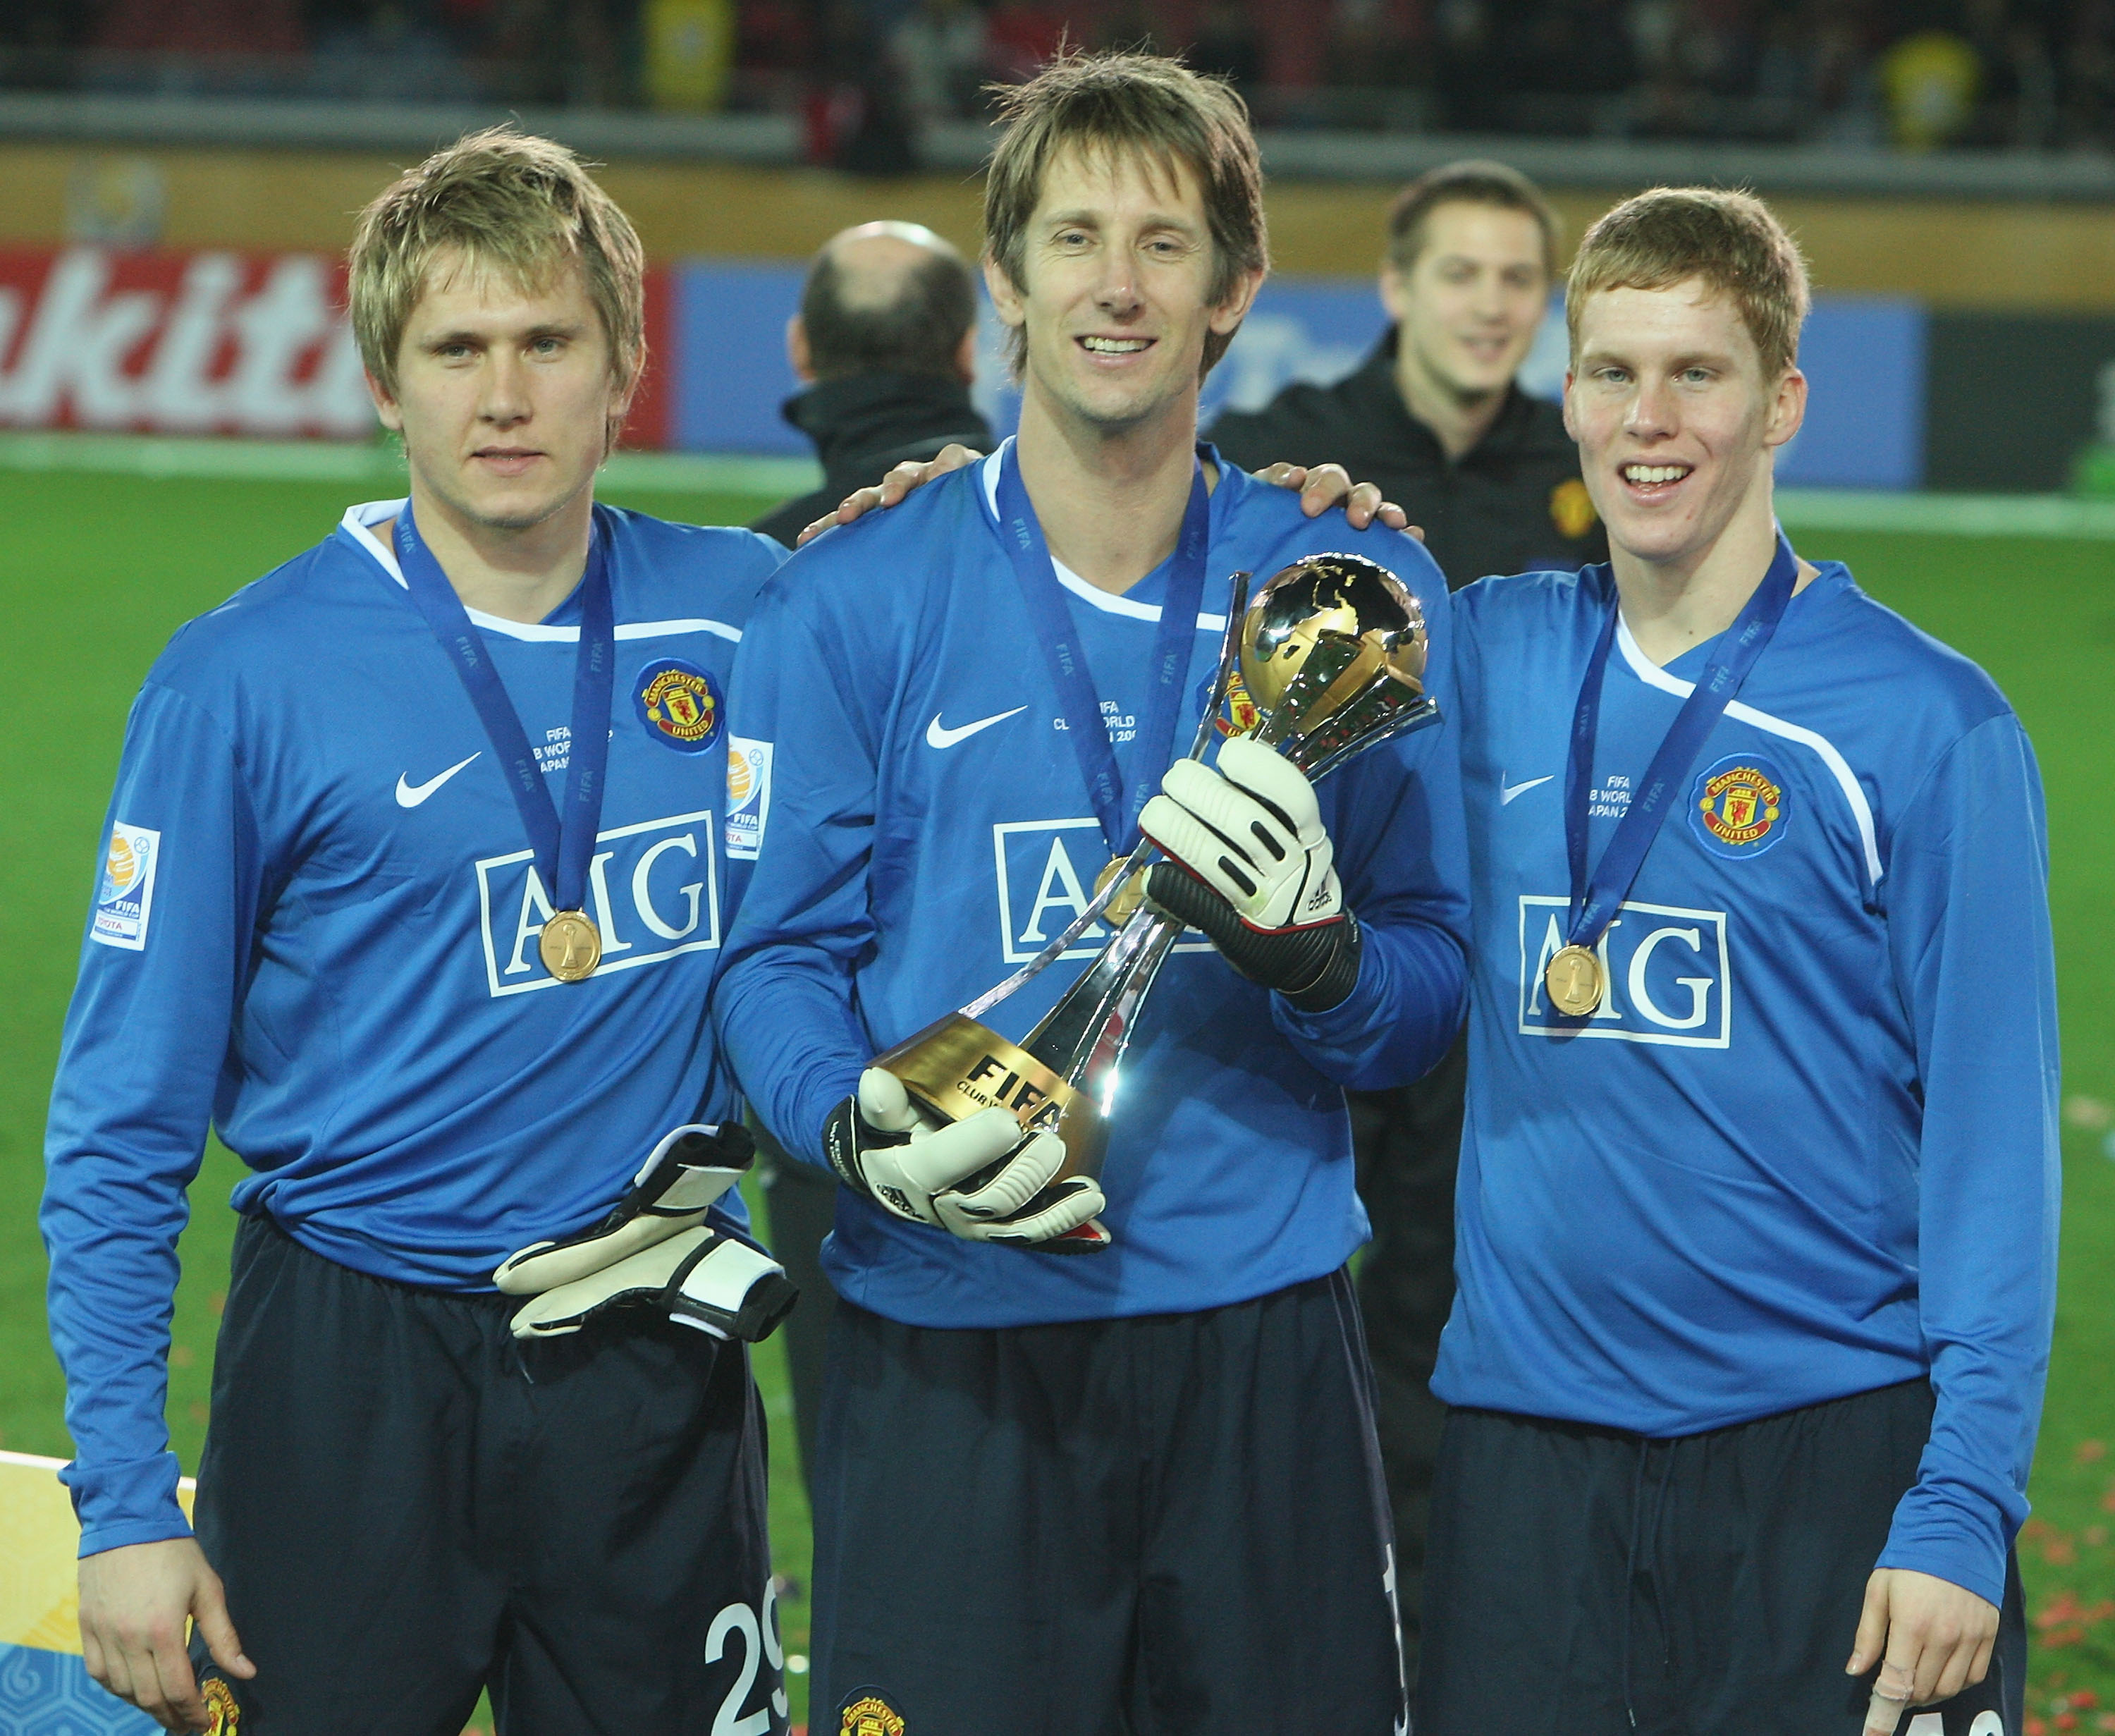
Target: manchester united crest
x: 1571, y: 509
x: 680, y: 705
x: 1240, y: 716
x: 1737, y: 807
x: 870, y: 1715
x: 221, y: 1707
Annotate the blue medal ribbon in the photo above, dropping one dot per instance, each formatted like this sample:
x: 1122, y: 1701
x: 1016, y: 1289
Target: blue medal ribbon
x: 1595, y: 901
x: 1065, y: 653
x: 564, y: 850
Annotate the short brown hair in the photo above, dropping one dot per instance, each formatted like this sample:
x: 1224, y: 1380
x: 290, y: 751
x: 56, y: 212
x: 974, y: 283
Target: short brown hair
x: 509, y: 201
x: 1731, y: 241
x: 1479, y: 182
x: 1108, y: 101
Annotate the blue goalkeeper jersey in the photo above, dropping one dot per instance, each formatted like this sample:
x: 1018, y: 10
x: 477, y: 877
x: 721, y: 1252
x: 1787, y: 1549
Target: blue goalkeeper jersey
x: 929, y: 829
x: 315, y: 928
x: 1807, y: 1147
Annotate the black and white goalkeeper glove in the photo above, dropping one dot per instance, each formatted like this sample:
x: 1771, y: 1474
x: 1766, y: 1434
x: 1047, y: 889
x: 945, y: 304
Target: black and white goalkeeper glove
x: 655, y: 1250
x: 981, y: 1179
x: 1251, y: 865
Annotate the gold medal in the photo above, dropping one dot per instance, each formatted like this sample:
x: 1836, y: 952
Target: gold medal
x: 571, y: 946
x: 1576, y: 981
x: 1129, y: 897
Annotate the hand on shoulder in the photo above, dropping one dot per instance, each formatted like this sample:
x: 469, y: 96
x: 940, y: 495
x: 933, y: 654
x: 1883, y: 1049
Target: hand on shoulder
x: 1320, y: 487
x: 892, y: 489
x: 1323, y: 486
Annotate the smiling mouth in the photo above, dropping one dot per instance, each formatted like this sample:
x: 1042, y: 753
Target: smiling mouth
x: 1654, y: 476
x: 1115, y: 346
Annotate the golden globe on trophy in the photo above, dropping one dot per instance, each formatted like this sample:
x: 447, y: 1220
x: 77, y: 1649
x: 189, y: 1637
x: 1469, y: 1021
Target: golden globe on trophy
x: 1331, y: 658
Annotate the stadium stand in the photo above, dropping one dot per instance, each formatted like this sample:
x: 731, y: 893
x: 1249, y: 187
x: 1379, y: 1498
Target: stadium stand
x: 1913, y: 75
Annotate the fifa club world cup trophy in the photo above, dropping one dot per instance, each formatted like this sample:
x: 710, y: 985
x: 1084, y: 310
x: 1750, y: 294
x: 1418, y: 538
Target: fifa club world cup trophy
x: 1331, y: 654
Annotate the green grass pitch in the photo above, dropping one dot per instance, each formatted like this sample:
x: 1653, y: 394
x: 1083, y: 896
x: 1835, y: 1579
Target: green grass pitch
x: 99, y: 570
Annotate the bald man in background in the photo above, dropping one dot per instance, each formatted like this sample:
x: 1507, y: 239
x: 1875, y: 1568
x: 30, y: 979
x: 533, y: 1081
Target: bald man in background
x: 885, y: 345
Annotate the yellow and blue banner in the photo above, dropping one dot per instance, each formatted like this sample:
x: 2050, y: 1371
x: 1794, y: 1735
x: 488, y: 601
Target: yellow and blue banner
x: 44, y: 1687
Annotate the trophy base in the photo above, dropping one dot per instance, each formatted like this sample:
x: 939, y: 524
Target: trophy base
x: 957, y: 1068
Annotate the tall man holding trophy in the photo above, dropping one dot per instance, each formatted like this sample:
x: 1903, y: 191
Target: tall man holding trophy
x: 1136, y: 1487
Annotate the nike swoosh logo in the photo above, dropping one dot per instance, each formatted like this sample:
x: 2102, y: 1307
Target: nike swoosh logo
x: 410, y: 795
x: 1507, y: 792
x: 938, y: 735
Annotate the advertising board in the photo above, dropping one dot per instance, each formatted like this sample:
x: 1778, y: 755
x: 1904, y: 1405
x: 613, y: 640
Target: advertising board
x: 205, y: 342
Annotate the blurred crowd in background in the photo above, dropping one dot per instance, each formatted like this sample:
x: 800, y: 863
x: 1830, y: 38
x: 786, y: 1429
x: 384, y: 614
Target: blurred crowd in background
x: 868, y: 75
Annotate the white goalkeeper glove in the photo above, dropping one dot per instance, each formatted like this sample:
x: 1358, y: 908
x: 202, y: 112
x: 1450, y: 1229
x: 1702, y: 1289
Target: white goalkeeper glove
x: 1251, y: 864
x: 981, y: 1179
x: 654, y: 1249
x: 698, y: 1277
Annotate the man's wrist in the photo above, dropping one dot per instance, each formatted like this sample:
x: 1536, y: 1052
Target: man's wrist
x: 825, y: 1090
x: 1314, y: 966
x: 100, y: 1540
x: 1951, y: 1564
x: 1333, y: 983
x: 840, y: 1146
x: 133, y: 1501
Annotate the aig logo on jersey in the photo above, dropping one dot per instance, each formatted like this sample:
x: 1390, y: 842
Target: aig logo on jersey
x: 1669, y: 974
x: 1736, y: 807
x: 679, y: 703
x: 652, y: 891
x: 125, y: 895
x: 1046, y: 877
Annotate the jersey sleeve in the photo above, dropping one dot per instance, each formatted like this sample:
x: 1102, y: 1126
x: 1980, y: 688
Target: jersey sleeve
x: 1968, y: 923
x: 1403, y: 855
x: 146, y: 1038
x: 783, y: 1006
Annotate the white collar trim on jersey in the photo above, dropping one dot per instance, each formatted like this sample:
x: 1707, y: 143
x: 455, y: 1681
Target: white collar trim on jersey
x: 1854, y: 792
x: 1072, y: 581
x: 358, y: 523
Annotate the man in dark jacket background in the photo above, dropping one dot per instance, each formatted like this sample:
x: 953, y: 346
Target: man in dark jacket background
x: 1436, y: 416
x: 885, y: 342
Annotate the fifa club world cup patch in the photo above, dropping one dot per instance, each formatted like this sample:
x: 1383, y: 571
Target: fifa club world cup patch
x: 125, y: 895
x: 748, y: 796
x: 1571, y: 508
x: 224, y: 1715
x: 680, y: 704
x: 1737, y: 807
x: 867, y: 1713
